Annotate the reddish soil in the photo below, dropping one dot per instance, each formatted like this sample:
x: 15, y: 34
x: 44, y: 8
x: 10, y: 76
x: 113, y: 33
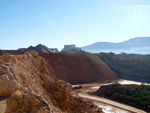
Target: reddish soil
x: 79, y: 68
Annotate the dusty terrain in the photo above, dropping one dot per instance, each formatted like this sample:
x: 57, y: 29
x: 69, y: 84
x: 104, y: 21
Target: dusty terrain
x: 108, y: 106
x: 79, y: 68
x: 28, y: 85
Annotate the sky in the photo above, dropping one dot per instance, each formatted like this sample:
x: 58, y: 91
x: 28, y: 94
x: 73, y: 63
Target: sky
x: 55, y: 23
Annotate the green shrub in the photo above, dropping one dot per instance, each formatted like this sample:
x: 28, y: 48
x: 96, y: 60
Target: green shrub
x: 135, y: 95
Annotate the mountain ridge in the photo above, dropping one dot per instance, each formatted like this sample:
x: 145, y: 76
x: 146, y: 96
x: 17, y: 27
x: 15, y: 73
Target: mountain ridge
x: 39, y: 48
x: 138, y: 45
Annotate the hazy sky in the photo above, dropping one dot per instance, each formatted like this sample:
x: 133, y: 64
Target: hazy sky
x: 81, y: 22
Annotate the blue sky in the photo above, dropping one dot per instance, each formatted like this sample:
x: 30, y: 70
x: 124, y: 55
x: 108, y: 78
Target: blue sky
x: 81, y: 22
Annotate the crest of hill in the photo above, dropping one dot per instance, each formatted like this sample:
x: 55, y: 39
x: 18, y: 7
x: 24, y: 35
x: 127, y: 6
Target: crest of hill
x: 39, y: 48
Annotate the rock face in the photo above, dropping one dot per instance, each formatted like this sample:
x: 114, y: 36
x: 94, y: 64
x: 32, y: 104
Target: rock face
x: 79, y: 68
x: 129, y: 66
x: 39, y: 49
x: 28, y: 85
x: 8, y: 83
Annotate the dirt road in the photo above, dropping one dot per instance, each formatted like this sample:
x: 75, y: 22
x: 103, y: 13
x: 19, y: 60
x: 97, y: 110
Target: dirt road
x: 111, y: 103
x: 108, y: 106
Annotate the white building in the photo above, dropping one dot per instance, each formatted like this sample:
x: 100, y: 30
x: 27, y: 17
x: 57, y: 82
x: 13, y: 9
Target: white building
x: 69, y: 47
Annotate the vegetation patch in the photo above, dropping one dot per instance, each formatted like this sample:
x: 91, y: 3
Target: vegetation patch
x: 134, y: 95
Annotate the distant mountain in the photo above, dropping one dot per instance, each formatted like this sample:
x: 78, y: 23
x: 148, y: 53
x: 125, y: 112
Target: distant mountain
x: 39, y: 48
x: 139, y: 45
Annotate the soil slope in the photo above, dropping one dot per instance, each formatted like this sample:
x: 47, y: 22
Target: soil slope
x: 28, y: 85
x: 79, y: 68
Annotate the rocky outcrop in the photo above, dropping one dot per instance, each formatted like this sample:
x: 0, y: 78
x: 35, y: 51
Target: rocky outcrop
x: 39, y: 49
x: 27, y: 103
x: 28, y: 85
x: 129, y: 66
x: 79, y: 68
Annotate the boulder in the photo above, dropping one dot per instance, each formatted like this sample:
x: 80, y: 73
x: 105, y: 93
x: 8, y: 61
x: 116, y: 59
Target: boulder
x: 33, y: 53
x: 8, y: 83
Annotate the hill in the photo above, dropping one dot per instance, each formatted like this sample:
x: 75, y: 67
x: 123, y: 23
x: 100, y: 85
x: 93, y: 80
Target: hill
x: 39, y: 48
x: 28, y: 85
x: 139, y: 45
x: 79, y: 68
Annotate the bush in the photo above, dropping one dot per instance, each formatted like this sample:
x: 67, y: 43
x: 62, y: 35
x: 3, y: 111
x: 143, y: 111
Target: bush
x: 135, y: 95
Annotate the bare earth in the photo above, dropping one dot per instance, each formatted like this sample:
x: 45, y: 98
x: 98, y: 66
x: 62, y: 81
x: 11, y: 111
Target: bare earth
x: 108, y: 106
x: 3, y: 105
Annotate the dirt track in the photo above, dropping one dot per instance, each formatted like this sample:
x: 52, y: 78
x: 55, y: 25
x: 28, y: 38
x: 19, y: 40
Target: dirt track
x: 112, y: 103
x: 83, y: 91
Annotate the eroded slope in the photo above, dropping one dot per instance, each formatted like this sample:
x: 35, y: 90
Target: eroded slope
x: 28, y: 85
x: 129, y: 66
x: 79, y: 68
